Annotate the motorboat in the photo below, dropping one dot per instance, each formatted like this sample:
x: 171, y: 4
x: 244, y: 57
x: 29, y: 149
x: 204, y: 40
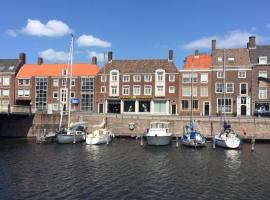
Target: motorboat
x: 158, y: 134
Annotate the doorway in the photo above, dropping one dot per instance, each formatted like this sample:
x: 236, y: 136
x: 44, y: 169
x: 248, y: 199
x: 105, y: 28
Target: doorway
x: 173, y: 109
x: 206, y: 108
x: 243, y: 110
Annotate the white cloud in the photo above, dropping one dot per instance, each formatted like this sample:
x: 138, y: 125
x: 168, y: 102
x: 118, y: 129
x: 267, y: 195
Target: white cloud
x: 11, y: 33
x: 235, y: 38
x: 100, y: 56
x: 54, y: 56
x: 91, y: 41
x: 53, y: 28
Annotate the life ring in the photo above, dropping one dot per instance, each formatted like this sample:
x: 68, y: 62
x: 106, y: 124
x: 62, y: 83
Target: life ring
x: 244, y: 130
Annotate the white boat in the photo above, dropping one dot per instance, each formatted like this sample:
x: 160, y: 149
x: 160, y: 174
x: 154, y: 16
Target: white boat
x: 192, y: 137
x: 158, y: 134
x: 227, y: 138
x: 100, y: 136
x: 75, y: 133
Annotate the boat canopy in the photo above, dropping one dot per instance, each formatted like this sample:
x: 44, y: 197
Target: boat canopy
x: 159, y: 124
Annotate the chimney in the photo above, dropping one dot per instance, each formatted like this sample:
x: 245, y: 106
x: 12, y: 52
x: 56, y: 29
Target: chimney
x: 40, y: 61
x: 110, y: 56
x: 214, y: 43
x: 170, y: 55
x: 248, y: 45
x: 22, y: 58
x: 196, y: 52
x: 252, y: 42
x: 94, y: 60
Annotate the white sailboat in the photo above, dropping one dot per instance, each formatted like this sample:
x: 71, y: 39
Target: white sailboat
x: 192, y: 137
x: 75, y: 132
x: 226, y: 138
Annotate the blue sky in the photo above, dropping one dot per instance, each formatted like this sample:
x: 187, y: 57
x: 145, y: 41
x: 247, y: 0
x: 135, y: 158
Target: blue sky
x: 132, y: 29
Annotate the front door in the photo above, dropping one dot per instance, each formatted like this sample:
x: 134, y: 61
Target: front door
x: 101, y: 108
x: 206, y: 109
x: 174, y: 109
x: 243, y: 110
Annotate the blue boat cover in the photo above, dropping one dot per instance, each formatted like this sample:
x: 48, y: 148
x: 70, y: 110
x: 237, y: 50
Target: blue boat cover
x: 193, y: 135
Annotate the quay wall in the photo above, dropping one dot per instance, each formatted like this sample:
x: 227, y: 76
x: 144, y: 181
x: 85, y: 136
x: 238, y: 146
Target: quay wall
x: 119, y: 124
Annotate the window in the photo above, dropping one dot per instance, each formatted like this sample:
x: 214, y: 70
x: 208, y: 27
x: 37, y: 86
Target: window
x: 125, y: 90
x: 204, y: 78
x: 55, y: 82
x: 171, y: 89
x: 242, y: 74
x: 113, y: 90
x: 204, y: 91
x: 20, y: 92
x: 147, y: 78
x: 187, y: 78
x: 27, y: 93
x: 103, y: 89
x: 41, y: 93
x: 126, y: 78
x: 20, y: 82
x: 64, y: 72
x: 160, y: 90
x: 55, y: 107
x: 160, y: 106
x: 262, y: 60
x: 160, y: 76
x: 55, y: 94
x: 64, y: 82
x: 224, y: 105
x: 147, y: 90
x: 219, y: 59
x: 219, y: 87
x: 72, y: 94
x: 186, y: 104
x: 171, y: 78
x: 137, y: 78
x: 144, y: 106
x: 220, y: 74
x: 103, y: 78
x: 0, y: 79
x: 186, y: 91
x: 5, y: 92
x: 114, y: 76
x: 73, y: 82
x: 229, y: 87
x: 27, y: 82
x: 5, y: 80
x: 129, y: 106
x: 262, y: 93
x: 231, y: 59
x: 136, y: 90
x: 243, y: 88
x: 87, y: 94
x: 263, y: 74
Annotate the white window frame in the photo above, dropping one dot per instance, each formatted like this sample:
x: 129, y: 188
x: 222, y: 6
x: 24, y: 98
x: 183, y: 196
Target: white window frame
x: 216, y: 88
x: 20, y: 92
x: 171, y: 89
x: 127, y: 78
x: 261, y: 58
x: 103, y: 89
x: 171, y: 77
x: 3, y: 92
x: 227, y: 87
x: 219, y: 59
x: 103, y: 78
x: 6, y: 80
x: 231, y: 59
x: 63, y: 82
x: 202, y: 75
x: 125, y: 87
x: 73, y: 82
x: 55, y: 82
x: 222, y: 106
x: 114, y: 91
x: 136, y: 78
x: 134, y: 90
x: 25, y: 93
x: 72, y: 94
x: 240, y: 73
x: 220, y: 74
x: 146, y: 79
x: 201, y: 89
x: 246, y: 88
x: 55, y: 92
x: 259, y: 93
x: 263, y: 72
x: 148, y: 87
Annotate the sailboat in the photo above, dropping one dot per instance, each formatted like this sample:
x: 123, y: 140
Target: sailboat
x: 75, y: 132
x: 226, y: 138
x: 191, y: 136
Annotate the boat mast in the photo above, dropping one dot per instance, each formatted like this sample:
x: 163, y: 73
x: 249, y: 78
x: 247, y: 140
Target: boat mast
x: 191, y: 109
x: 70, y: 77
x: 224, y: 82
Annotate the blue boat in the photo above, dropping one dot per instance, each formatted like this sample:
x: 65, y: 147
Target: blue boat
x: 192, y: 137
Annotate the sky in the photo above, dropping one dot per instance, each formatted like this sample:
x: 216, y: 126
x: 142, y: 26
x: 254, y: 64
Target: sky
x: 132, y: 29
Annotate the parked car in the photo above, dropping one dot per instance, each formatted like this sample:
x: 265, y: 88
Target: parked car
x: 262, y: 113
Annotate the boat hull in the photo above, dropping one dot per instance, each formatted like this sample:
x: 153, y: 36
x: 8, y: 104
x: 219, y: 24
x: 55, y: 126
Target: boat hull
x: 98, y: 140
x: 191, y: 143
x: 229, y: 143
x: 159, y: 140
x: 67, y: 139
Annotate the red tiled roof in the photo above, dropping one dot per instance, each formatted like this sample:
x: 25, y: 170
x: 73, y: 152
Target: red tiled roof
x: 29, y: 70
x: 200, y: 61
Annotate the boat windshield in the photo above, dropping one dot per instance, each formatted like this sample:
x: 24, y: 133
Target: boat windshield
x: 159, y: 125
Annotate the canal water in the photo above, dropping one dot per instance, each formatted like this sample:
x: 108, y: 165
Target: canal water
x: 125, y: 170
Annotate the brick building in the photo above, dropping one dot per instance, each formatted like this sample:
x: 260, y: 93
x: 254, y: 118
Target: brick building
x: 196, y: 72
x: 238, y: 75
x: 137, y: 86
x: 46, y: 86
x: 259, y: 57
x: 8, y: 71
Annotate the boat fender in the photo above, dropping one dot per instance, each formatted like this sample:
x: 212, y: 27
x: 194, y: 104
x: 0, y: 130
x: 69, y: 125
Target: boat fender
x: 244, y: 130
x: 131, y: 126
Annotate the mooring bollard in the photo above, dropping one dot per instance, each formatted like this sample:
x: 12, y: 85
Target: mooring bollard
x: 253, y: 143
x: 214, y: 142
x: 141, y: 140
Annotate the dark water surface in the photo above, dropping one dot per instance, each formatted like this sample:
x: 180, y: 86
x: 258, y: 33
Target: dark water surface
x: 124, y: 170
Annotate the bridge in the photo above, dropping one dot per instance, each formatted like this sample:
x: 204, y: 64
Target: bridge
x: 16, y: 110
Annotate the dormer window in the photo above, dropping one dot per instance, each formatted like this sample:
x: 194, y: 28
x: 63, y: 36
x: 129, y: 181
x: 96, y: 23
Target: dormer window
x: 230, y: 59
x: 11, y: 68
x: 262, y: 60
x: 219, y: 59
x: 64, y: 72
